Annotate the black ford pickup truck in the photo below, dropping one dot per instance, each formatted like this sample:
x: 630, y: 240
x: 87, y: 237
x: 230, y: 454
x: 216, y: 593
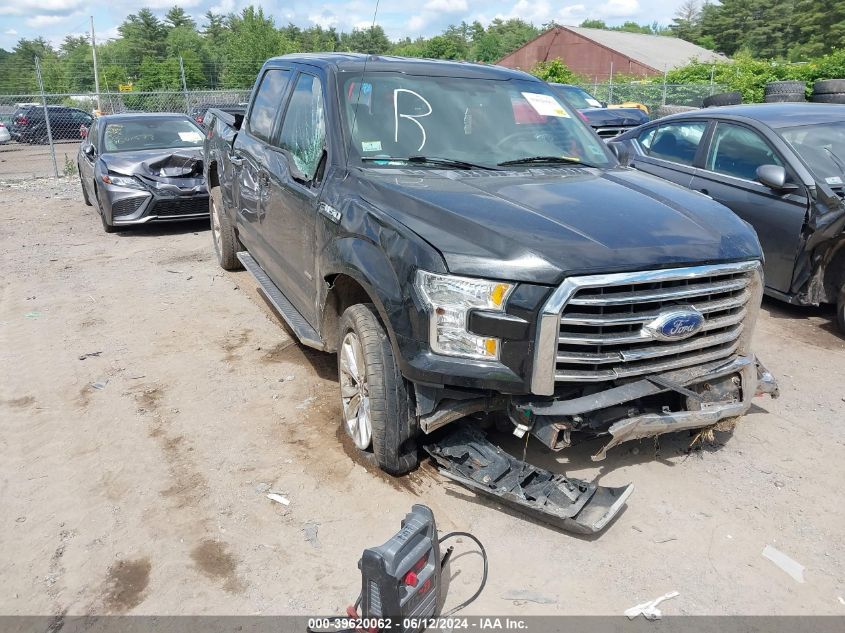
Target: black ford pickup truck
x: 465, y: 243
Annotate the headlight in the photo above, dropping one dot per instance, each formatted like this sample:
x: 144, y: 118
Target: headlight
x: 122, y: 181
x: 449, y: 300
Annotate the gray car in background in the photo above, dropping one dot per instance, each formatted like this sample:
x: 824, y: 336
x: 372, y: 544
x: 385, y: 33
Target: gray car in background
x: 780, y: 167
x: 139, y: 168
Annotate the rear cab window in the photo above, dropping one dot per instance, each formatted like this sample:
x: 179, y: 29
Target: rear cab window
x: 267, y: 103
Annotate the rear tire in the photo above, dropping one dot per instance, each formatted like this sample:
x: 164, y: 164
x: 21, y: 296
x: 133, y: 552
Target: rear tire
x: 82, y: 184
x: 376, y: 389
x: 724, y: 99
x: 840, y: 310
x: 226, y: 242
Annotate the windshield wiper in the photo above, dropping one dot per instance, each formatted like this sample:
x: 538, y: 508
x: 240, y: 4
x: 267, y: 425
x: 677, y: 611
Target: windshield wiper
x: 549, y: 160
x: 431, y: 160
x: 835, y: 158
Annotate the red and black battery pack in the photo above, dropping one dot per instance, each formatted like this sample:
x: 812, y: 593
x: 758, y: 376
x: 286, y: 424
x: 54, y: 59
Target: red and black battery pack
x: 400, y: 580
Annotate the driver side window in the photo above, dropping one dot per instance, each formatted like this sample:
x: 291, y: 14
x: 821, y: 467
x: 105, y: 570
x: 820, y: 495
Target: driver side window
x: 303, y: 133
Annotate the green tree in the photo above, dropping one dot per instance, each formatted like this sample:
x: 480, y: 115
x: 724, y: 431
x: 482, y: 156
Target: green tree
x: 820, y: 27
x: 593, y: 24
x: 554, y: 71
x: 371, y: 40
x: 176, y: 18
x: 251, y: 39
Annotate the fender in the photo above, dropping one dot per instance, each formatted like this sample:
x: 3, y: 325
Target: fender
x: 382, y: 256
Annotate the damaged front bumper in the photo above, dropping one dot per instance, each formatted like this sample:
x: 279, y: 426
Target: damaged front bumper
x: 467, y: 457
x: 692, y: 398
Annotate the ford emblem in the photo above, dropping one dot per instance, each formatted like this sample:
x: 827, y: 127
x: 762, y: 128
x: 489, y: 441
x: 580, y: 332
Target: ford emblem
x: 675, y: 325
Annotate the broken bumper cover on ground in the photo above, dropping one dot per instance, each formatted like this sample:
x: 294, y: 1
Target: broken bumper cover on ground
x: 467, y: 457
x: 711, y: 393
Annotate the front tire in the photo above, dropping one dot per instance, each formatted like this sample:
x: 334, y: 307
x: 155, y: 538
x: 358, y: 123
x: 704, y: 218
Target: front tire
x: 226, y: 242
x: 108, y: 228
x: 377, y: 406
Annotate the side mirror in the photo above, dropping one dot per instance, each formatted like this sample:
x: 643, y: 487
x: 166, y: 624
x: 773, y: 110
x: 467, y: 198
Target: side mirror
x: 774, y: 177
x: 89, y: 151
x: 603, y: 104
x: 620, y: 153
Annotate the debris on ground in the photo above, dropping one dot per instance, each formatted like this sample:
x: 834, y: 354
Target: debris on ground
x: 100, y: 384
x: 88, y: 355
x: 275, y: 496
x: 35, y: 314
x: 310, y: 531
x: 262, y: 487
x: 469, y: 458
x: 787, y: 564
x: 526, y: 595
x: 649, y: 610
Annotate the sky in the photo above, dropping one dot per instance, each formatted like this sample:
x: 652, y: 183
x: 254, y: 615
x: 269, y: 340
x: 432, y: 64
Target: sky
x: 53, y: 19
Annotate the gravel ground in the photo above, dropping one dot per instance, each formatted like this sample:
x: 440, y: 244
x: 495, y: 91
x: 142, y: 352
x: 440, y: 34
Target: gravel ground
x: 149, y: 401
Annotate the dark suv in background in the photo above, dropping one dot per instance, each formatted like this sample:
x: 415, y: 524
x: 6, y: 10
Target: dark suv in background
x: 29, y: 125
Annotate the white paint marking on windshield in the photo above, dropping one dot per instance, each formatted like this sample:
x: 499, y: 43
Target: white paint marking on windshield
x: 410, y: 117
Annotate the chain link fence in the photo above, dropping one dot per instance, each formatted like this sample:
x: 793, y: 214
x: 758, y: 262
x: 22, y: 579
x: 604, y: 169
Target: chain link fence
x: 30, y: 147
x: 655, y: 96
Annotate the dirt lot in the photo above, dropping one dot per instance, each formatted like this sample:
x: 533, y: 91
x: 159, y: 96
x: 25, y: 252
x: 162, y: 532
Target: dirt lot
x: 145, y: 493
x: 22, y: 160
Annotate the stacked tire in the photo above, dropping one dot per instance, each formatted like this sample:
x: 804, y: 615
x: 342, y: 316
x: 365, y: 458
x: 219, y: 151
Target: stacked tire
x: 785, y: 92
x: 724, y: 99
x: 829, y: 91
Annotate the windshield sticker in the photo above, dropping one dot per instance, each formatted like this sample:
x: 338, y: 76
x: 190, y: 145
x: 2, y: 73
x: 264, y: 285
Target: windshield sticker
x: 190, y: 137
x: 545, y: 105
x: 411, y: 117
x: 371, y: 146
x: 593, y: 102
x: 833, y: 180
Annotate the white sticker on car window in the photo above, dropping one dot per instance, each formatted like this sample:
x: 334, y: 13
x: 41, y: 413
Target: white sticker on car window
x: 371, y: 146
x: 593, y: 102
x: 833, y: 180
x: 545, y: 105
x: 190, y: 137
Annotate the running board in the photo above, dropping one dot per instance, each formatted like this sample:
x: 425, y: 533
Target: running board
x: 306, y: 334
x: 467, y: 457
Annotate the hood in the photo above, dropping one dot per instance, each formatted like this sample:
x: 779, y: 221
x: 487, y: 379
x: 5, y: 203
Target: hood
x: 541, y: 225
x: 627, y: 117
x: 175, y: 171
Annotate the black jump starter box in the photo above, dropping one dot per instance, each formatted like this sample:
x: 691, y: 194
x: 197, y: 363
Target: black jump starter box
x: 400, y: 580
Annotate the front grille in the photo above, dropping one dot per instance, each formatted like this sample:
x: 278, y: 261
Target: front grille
x: 176, y: 206
x: 127, y: 206
x: 601, y: 336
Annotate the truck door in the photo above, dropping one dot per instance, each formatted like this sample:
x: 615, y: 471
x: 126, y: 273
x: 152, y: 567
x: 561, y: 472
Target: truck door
x: 730, y: 177
x: 250, y: 157
x: 295, y: 185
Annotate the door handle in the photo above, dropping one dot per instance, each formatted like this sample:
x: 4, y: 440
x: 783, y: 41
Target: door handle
x: 704, y: 191
x: 236, y: 160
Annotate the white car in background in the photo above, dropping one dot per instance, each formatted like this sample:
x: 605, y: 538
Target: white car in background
x: 5, y: 137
